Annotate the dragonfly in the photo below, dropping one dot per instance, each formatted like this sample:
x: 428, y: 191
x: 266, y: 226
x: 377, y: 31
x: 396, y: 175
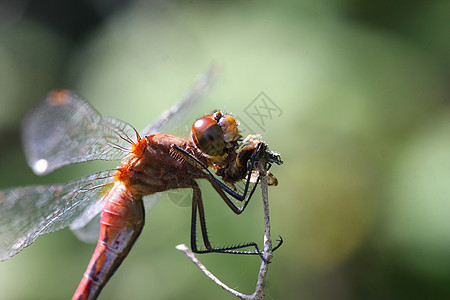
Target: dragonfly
x: 65, y: 129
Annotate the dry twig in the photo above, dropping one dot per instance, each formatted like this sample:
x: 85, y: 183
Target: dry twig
x: 267, y: 253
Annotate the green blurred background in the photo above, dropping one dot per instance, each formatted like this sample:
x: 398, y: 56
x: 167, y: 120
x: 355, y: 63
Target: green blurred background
x: 364, y: 131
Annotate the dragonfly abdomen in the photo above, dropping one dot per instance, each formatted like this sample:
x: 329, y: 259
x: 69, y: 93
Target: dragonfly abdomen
x: 121, y: 223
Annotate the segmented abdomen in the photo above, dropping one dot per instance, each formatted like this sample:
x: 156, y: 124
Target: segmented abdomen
x: 122, y: 220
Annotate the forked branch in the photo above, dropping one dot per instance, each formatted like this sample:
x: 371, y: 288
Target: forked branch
x: 267, y: 253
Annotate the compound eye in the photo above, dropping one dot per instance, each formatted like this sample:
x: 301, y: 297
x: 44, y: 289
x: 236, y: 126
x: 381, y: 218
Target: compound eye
x: 208, y: 136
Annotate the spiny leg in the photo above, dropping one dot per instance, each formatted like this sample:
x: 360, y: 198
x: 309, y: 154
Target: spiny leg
x: 195, y: 162
x: 221, y: 189
x: 238, y: 210
x: 197, y: 204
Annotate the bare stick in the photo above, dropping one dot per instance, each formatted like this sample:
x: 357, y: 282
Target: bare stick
x: 267, y: 253
x: 194, y: 259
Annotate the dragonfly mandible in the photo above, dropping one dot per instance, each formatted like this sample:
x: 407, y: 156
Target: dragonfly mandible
x: 65, y: 129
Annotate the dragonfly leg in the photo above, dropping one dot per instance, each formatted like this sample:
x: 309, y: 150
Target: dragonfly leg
x: 222, y: 189
x: 195, y: 162
x: 197, y: 205
x: 238, y: 210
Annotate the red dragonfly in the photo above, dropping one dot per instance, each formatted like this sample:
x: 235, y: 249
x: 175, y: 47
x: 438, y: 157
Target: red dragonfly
x: 64, y: 129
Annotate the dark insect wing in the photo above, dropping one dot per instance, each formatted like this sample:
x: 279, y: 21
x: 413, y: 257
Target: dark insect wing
x: 64, y: 128
x: 28, y: 212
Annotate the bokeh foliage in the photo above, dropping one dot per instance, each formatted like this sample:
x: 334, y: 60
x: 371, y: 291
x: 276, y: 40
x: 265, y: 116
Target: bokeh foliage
x: 363, y: 196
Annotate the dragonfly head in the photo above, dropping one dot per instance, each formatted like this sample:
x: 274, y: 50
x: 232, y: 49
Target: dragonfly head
x: 213, y: 133
x: 208, y: 136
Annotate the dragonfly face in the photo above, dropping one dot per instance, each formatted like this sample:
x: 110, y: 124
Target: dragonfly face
x: 207, y: 136
x: 215, y: 135
x: 64, y: 129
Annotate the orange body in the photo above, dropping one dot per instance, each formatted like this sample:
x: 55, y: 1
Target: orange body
x: 153, y: 166
x: 121, y: 223
x: 150, y: 168
x: 64, y: 129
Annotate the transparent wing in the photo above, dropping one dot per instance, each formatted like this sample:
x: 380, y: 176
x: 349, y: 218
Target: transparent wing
x: 26, y: 213
x: 90, y: 212
x: 169, y: 117
x: 88, y: 232
x: 151, y: 200
x: 64, y: 129
x: 180, y: 197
